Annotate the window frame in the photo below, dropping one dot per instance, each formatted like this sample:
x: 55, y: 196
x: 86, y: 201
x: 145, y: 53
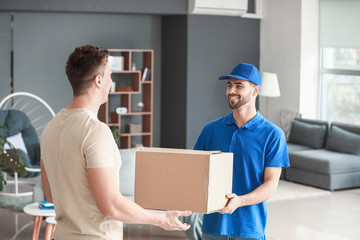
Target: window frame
x: 322, y: 84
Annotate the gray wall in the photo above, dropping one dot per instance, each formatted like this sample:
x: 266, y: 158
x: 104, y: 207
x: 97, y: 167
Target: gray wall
x: 215, y: 45
x: 43, y: 41
x: 191, y: 51
x: 103, y: 6
x: 193, y: 96
x: 5, y: 46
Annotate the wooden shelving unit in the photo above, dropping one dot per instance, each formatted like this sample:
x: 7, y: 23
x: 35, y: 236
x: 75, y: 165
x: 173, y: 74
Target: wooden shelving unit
x: 130, y: 91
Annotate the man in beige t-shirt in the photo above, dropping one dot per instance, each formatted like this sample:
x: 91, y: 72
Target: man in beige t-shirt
x: 80, y: 160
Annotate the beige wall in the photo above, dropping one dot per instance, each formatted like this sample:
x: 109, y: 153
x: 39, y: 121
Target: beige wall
x: 289, y: 46
x: 280, y: 34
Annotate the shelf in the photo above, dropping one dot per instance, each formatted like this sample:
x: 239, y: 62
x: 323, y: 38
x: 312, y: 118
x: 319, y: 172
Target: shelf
x: 132, y: 90
x: 127, y: 71
x: 131, y: 50
x: 116, y: 117
x: 134, y: 113
x: 123, y: 92
x: 135, y: 134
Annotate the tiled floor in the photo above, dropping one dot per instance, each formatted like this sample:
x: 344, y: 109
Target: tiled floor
x: 331, y: 217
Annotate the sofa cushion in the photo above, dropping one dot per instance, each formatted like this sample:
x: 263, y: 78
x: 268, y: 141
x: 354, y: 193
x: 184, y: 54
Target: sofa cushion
x: 127, y: 171
x: 324, y: 161
x: 17, y: 142
x: 17, y: 121
x: 348, y: 127
x: 3, y: 115
x: 343, y: 141
x: 292, y: 147
x: 311, y: 135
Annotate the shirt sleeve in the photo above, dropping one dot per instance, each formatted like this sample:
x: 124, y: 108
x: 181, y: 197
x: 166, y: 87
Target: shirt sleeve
x: 99, y: 148
x: 201, y: 141
x: 276, y: 152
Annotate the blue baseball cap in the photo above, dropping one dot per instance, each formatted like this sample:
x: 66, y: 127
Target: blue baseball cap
x: 245, y: 71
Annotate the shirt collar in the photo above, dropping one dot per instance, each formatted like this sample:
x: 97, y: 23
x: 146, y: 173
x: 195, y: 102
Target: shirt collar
x: 229, y: 120
x: 254, y: 122
x: 251, y: 125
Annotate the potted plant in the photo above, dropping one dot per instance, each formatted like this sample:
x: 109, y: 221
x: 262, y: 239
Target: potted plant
x: 9, y: 160
x: 115, y: 132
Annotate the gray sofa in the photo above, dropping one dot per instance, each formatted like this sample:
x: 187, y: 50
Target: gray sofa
x: 324, y: 156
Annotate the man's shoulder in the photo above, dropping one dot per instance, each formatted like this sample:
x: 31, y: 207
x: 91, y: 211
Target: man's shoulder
x: 97, y: 127
x: 219, y: 121
x: 81, y: 118
x: 270, y: 127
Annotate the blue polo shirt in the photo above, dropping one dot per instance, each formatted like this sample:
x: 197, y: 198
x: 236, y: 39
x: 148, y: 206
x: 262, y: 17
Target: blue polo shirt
x: 256, y: 145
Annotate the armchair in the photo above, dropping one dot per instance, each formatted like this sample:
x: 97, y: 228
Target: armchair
x: 24, y: 115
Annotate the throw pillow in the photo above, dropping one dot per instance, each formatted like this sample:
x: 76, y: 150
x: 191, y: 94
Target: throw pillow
x: 127, y: 171
x: 17, y: 121
x: 17, y: 141
x: 343, y: 141
x: 311, y: 135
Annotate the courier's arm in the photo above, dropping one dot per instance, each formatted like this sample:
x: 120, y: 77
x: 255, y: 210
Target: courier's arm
x: 260, y: 194
x: 45, y: 183
x: 112, y: 204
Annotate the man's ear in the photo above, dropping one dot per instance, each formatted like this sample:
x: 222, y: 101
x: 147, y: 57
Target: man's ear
x: 256, y: 90
x: 97, y: 81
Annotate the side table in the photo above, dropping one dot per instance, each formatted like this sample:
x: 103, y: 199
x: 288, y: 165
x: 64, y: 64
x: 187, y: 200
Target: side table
x: 34, y: 210
x: 50, y: 227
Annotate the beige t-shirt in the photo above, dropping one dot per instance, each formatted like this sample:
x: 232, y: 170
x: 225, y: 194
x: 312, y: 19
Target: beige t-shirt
x: 71, y: 142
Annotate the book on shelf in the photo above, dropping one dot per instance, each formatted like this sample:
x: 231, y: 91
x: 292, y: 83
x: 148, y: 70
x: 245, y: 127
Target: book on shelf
x: 148, y: 75
x: 144, y: 73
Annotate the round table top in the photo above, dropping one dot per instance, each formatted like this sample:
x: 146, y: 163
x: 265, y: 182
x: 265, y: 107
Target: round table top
x: 35, y: 210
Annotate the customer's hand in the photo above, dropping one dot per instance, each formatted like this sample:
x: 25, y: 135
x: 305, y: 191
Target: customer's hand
x: 170, y: 221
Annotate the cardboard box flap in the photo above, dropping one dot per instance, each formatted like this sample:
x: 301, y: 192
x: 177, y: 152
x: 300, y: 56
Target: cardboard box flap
x: 175, y: 150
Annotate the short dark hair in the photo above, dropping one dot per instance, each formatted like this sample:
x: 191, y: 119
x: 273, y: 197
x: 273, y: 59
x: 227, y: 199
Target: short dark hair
x: 83, y: 65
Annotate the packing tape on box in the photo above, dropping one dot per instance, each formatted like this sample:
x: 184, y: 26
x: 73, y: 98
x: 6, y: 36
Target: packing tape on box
x: 121, y: 110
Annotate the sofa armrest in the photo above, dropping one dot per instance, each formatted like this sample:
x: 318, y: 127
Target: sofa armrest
x: 127, y: 171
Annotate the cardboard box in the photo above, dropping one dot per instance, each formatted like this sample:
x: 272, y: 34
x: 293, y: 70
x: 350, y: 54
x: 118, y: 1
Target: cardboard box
x: 133, y: 128
x: 179, y: 179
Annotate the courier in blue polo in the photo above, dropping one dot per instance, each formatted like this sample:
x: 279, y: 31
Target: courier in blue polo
x: 260, y: 153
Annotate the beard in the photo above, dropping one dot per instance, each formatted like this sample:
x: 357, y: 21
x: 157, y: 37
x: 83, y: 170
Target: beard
x: 241, y: 101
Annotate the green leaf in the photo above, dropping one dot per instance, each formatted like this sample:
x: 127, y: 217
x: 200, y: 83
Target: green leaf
x: 13, y: 161
x: 2, y: 181
x: 10, y: 160
x: 115, y: 132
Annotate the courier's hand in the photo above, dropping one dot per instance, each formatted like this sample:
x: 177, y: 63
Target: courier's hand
x: 170, y: 221
x: 233, y: 203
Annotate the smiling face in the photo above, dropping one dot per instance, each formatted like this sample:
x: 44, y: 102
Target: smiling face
x: 239, y: 92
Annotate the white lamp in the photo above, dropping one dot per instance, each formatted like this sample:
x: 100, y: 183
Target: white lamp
x: 269, y: 87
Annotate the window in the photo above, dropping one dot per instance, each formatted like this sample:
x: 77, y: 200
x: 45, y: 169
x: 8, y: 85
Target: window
x: 340, y: 85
